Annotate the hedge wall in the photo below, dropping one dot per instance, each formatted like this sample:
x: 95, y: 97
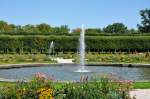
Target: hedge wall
x: 75, y: 34
x: 40, y: 44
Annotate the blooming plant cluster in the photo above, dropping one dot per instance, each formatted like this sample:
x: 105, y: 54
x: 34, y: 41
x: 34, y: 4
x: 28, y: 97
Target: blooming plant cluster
x: 40, y: 75
x: 43, y: 87
x: 45, y: 93
x: 40, y: 87
x: 96, y: 89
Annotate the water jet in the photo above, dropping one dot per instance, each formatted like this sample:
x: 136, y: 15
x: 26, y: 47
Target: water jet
x: 82, y: 67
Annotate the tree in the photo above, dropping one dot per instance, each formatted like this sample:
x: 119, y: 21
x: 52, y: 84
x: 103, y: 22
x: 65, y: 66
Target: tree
x: 30, y: 29
x: 44, y: 28
x: 145, y: 23
x: 93, y: 30
x: 56, y: 30
x: 19, y: 29
x: 4, y: 27
x: 64, y: 29
x: 77, y: 30
x: 115, y: 28
x: 12, y: 28
x: 132, y: 31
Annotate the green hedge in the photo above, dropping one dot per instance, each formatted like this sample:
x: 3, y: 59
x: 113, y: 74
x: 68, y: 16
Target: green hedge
x: 40, y: 44
x: 75, y: 34
x: 119, y: 42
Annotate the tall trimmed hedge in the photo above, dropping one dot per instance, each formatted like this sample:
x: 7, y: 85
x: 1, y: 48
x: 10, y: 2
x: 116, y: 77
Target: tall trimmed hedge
x: 74, y: 34
x: 123, y: 43
x: 40, y: 44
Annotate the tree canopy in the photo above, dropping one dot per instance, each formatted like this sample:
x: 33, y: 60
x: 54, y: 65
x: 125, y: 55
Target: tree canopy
x: 145, y: 23
x: 115, y: 28
x: 29, y: 28
x: 93, y: 30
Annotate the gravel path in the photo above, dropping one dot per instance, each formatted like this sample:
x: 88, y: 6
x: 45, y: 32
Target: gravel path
x: 140, y: 93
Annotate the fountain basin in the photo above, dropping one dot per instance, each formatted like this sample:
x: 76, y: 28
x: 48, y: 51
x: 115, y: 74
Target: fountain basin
x: 66, y: 72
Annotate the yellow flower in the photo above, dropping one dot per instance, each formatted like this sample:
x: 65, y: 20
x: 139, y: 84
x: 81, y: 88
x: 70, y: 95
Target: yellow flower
x: 45, y: 93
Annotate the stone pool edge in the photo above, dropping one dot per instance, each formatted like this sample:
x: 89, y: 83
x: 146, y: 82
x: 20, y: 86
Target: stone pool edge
x: 11, y: 66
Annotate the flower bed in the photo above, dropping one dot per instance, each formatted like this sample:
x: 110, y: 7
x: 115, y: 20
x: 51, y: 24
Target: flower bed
x: 44, y: 87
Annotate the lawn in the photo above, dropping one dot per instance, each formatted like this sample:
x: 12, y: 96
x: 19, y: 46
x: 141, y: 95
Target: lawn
x: 136, y: 85
x: 24, y: 58
x: 6, y: 84
x: 91, y: 57
x: 141, y: 85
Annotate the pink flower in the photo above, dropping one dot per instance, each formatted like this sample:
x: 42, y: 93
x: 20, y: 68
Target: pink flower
x: 40, y: 75
x: 126, y: 81
x: 129, y: 81
x: 51, y: 77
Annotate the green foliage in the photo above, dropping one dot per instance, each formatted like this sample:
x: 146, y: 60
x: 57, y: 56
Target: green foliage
x: 36, y: 88
x: 5, y: 27
x: 123, y: 43
x: 44, y: 28
x: 93, y: 30
x: 93, y: 57
x: 115, y: 28
x: 63, y: 29
x: 29, y: 29
x: 42, y: 86
x: 145, y: 16
x: 40, y: 44
x: 141, y: 85
x: 24, y: 58
x: 95, y: 89
x: 77, y: 30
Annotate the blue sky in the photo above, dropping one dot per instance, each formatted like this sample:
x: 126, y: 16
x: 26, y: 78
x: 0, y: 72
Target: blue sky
x: 92, y: 13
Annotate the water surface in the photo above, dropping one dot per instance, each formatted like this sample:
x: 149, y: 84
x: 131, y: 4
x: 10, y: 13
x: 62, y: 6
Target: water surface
x: 68, y: 72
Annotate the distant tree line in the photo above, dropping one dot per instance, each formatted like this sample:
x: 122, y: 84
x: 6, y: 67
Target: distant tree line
x: 46, y: 29
x: 39, y: 28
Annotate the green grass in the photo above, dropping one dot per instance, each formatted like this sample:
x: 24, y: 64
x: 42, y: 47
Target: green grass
x: 118, y: 57
x: 24, y: 58
x: 6, y: 84
x: 91, y: 57
x: 141, y: 85
x: 57, y: 85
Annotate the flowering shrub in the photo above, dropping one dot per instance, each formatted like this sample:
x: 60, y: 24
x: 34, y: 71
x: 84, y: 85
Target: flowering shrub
x: 40, y: 87
x: 95, y: 89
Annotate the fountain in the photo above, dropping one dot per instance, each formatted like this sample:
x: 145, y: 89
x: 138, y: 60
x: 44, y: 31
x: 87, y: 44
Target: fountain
x: 82, y: 51
x: 65, y: 72
x: 51, y: 50
x: 58, y: 59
